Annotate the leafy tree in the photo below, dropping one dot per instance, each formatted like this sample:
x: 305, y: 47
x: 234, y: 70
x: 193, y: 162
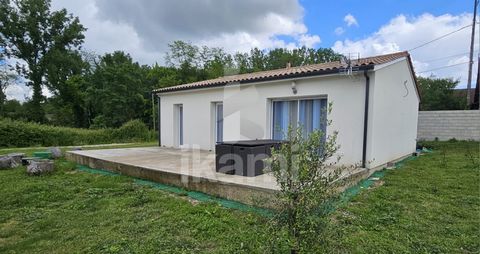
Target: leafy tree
x: 117, y: 90
x: 31, y: 32
x: 13, y: 109
x: 161, y: 76
x: 438, y: 94
x: 279, y: 57
x: 65, y: 73
x: 242, y: 62
x: 194, y: 63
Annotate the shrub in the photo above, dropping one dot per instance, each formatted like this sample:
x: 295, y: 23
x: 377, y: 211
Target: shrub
x: 307, y: 179
x: 24, y: 134
x: 134, y: 130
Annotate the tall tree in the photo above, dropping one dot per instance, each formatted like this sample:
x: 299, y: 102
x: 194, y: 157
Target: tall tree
x: 65, y: 75
x: 30, y: 31
x: 117, y: 91
x: 438, y: 94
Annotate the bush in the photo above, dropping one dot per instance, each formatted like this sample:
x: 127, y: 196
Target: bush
x: 305, y: 171
x: 24, y: 134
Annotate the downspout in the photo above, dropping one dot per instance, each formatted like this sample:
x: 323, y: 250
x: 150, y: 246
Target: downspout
x: 159, y: 122
x: 365, y: 118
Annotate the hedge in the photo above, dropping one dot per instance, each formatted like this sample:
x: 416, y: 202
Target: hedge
x: 24, y: 134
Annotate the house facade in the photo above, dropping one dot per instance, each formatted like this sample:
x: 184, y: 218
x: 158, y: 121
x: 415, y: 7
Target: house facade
x: 374, y: 107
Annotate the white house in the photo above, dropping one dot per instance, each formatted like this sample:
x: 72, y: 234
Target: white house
x: 375, y: 107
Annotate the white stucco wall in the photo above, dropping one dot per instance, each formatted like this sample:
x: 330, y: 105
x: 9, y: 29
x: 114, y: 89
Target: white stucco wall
x: 393, y: 115
x: 247, y: 112
x: 197, y: 117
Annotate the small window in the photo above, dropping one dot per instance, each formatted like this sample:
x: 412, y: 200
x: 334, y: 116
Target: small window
x: 179, y: 123
x: 218, y: 122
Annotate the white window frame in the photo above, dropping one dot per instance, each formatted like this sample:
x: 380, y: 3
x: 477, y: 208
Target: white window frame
x: 215, y: 120
x: 179, y: 126
x: 272, y: 100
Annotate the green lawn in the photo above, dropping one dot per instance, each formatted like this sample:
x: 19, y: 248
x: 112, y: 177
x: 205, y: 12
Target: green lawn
x: 430, y: 205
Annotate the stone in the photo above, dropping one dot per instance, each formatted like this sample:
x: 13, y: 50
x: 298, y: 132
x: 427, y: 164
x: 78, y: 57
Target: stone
x: 56, y: 152
x: 16, y: 158
x: 39, y: 167
x: 6, y: 162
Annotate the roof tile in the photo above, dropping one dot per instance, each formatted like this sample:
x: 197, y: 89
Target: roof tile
x: 286, y: 72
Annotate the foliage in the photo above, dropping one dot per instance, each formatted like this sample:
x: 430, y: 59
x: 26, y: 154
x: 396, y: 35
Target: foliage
x: 13, y: 109
x: 438, y: 94
x: 33, y: 33
x: 66, y: 74
x: 23, y: 134
x: 134, y: 128
x: 307, y: 180
x: 117, y: 90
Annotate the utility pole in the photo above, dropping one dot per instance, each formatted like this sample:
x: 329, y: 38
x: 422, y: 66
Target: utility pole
x: 470, y: 64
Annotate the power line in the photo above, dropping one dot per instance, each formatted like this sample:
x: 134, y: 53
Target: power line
x: 443, y: 67
x: 446, y: 57
x: 441, y: 37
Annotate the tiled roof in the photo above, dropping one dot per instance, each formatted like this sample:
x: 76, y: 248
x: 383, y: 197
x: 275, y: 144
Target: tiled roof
x: 306, y: 70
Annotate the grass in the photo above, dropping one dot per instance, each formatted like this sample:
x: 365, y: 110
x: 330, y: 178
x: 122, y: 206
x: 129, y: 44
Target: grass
x: 430, y: 205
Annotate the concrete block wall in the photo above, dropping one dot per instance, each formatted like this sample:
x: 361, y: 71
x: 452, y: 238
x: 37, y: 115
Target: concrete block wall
x: 448, y: 124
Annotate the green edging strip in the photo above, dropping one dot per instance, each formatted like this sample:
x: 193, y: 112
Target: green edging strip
x: 200, y: 196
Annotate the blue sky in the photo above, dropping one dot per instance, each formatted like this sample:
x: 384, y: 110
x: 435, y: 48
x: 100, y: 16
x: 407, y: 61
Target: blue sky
x: 322, y: 17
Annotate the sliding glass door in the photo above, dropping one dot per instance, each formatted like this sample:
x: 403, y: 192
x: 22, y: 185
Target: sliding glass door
x: 309, y: 114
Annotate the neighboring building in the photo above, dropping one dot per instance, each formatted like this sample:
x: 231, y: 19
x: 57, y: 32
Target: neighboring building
x: 377, y: 128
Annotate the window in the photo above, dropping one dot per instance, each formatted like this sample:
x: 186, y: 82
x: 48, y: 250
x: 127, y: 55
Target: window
x: 179, y: 123
x: 310, y: 114
x: 218, y: 122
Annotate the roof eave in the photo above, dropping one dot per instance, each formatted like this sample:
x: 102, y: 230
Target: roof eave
x: 273, y: 78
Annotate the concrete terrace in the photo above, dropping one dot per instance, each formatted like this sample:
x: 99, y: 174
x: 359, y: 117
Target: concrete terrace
x: 192, y: 169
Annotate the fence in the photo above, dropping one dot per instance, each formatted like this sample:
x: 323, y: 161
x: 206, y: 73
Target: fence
x: 449, y: 124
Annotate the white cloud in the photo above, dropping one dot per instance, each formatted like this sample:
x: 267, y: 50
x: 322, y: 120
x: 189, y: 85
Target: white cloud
x: 402, y: 33
x: 339, y: 30
x: 350, y: 20
x: 144, y: 28
x: 309, y: 41
x: 18, y: 92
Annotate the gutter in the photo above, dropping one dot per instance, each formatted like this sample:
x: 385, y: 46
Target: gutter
x: 365, y: 118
